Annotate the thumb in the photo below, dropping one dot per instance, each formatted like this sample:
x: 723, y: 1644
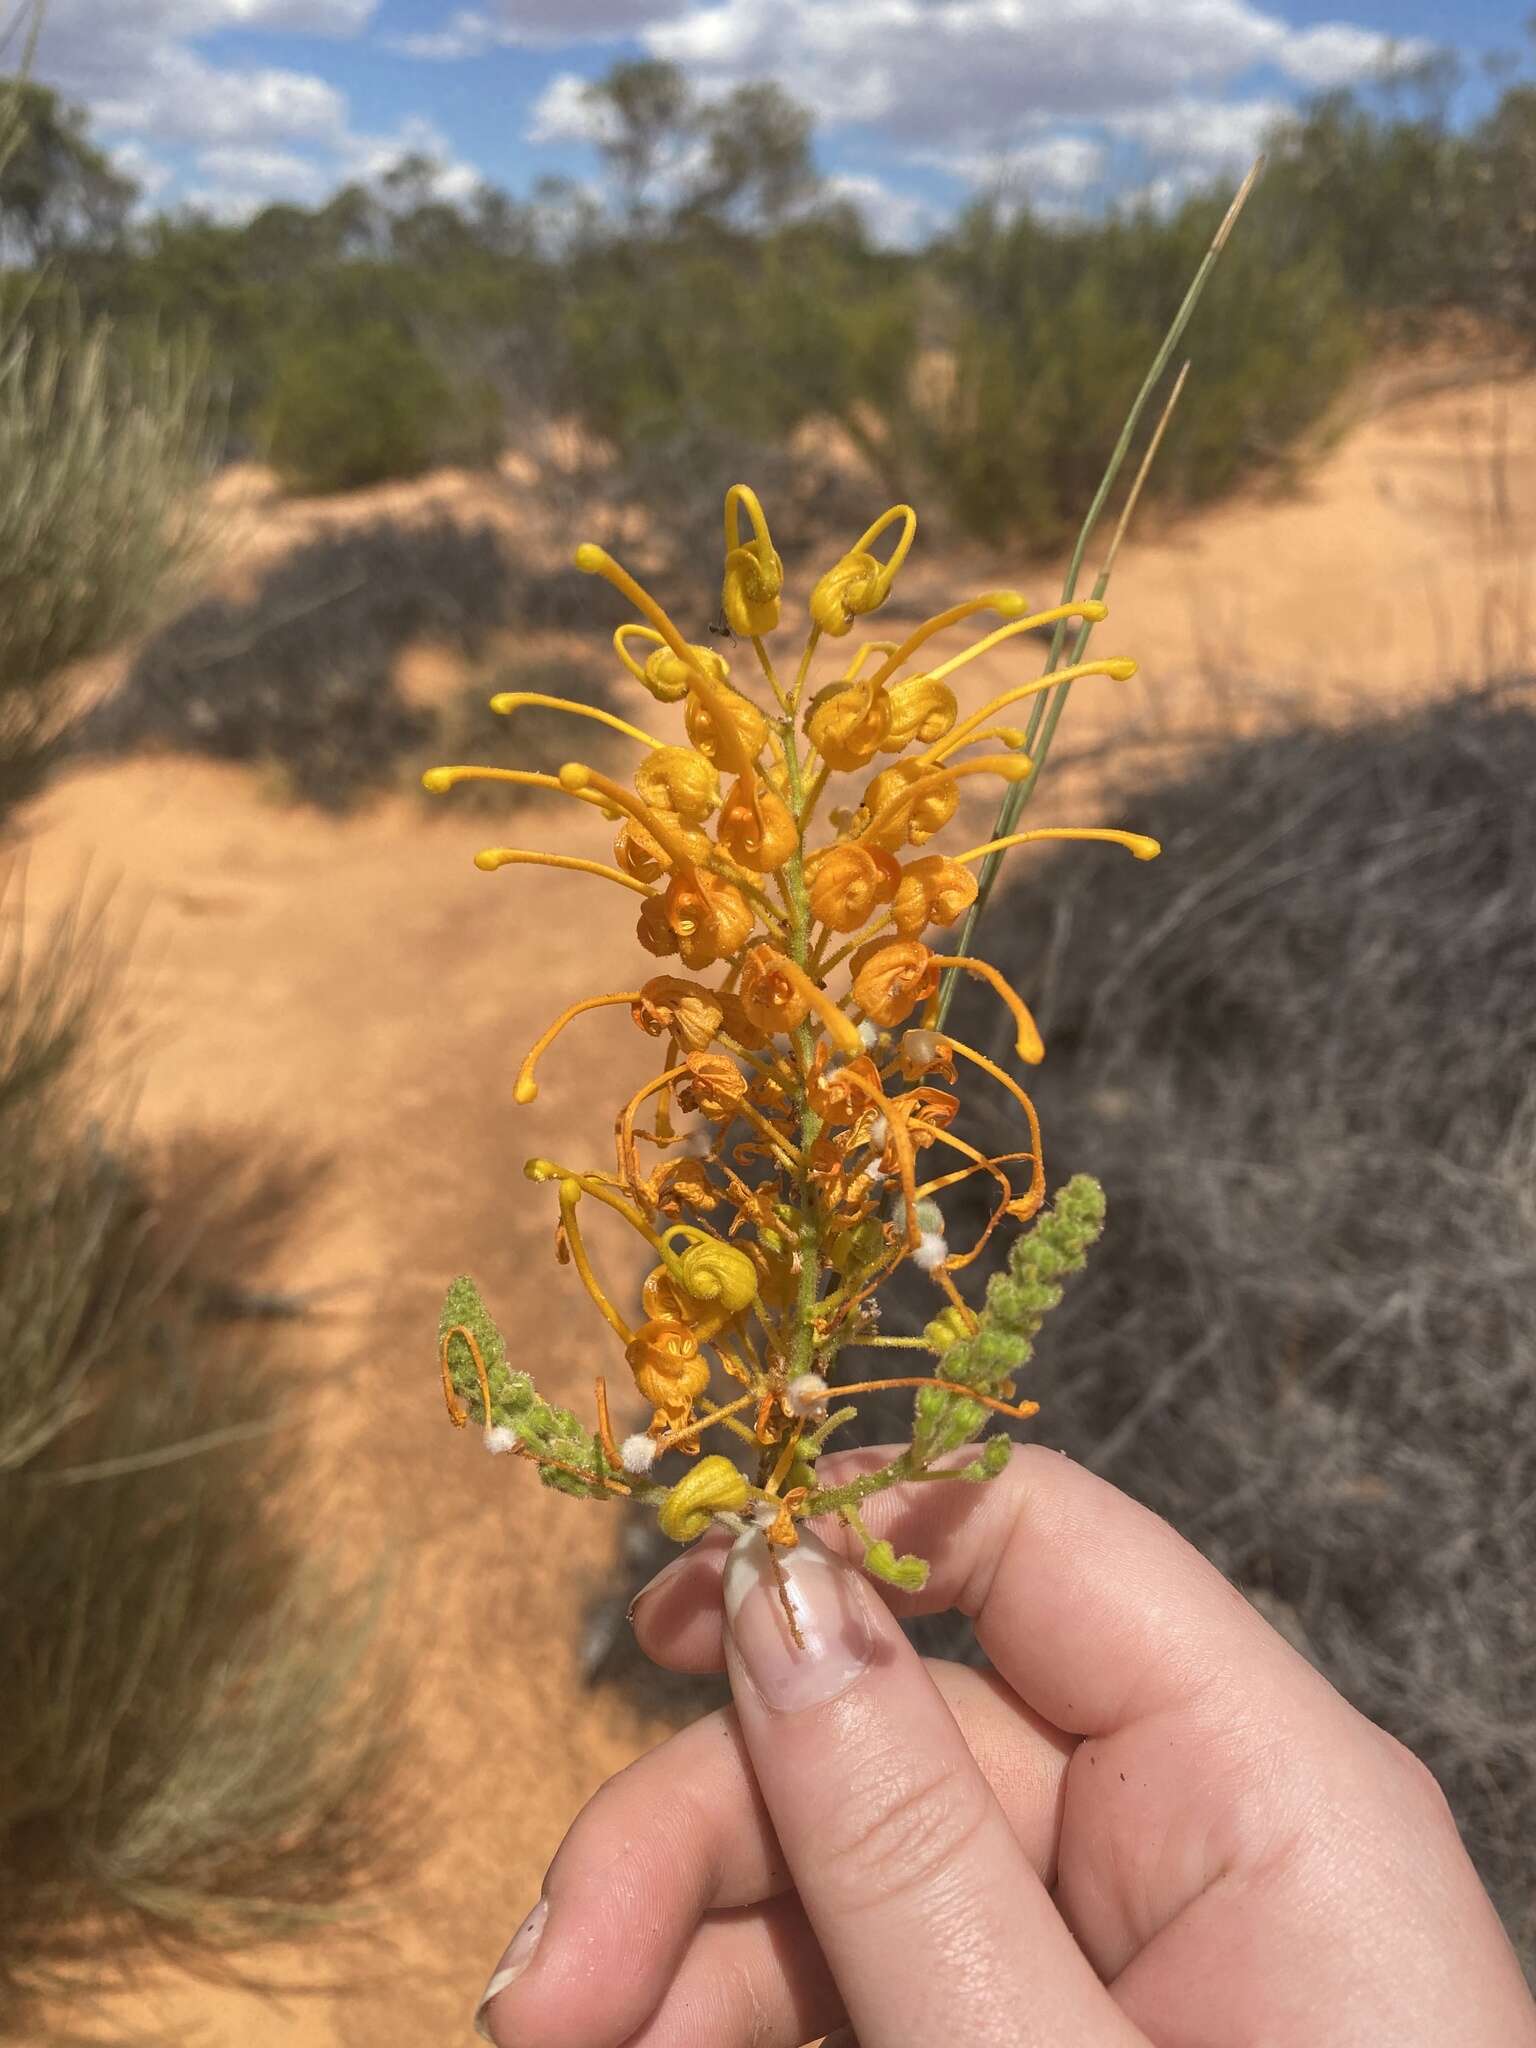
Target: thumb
x: 931, y: 1918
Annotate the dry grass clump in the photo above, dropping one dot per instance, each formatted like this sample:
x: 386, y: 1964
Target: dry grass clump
x: 1300, y: 1053
x: 196, y: 1729
x: 99, y: 450
x: 301, y: 676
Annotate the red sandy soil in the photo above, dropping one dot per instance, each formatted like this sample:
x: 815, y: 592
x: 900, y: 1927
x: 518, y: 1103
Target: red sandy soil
x: 360, y: 986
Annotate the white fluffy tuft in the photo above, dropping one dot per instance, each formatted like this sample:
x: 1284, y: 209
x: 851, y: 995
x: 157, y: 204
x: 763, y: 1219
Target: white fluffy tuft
x: 637, y: 1454
x: 805, y: 1393
x: 498, y: 1439
x: 868, y: 1033
x: 932, y: 1250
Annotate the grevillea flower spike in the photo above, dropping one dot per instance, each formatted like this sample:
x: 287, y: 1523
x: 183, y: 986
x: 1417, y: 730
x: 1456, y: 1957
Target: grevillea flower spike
x: 795, y: 1146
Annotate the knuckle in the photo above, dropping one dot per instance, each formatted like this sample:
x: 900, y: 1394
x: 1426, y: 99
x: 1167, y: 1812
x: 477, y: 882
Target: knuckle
x: 901, y: 1824
x: 1415, y: 1776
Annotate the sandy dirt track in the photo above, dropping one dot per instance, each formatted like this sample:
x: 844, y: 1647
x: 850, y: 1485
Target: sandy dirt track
x: 359, y: 986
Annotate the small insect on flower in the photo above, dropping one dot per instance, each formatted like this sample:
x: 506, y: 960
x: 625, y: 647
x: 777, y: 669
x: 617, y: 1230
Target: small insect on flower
x: 779, y: 844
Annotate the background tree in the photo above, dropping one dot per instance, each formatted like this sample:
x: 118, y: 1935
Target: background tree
x: 57, y: 190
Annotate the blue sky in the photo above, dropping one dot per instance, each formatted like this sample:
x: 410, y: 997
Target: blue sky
x: 231, y: 103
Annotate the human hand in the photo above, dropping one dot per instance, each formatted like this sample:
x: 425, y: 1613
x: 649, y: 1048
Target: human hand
x: 1152, y: 1822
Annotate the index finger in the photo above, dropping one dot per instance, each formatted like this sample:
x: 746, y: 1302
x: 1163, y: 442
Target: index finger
x: 1094, y: 1609
x: 930, y: 1915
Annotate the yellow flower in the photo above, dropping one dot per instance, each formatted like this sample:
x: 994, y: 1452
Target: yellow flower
x: 848, y: 724
x: 756, y: 828
x: 681, y: 781
x: 859, y: 583
x: 708, y: 1269
x: 713, y: 1487
x: 754, y: 575
x: 848, y: 882
x: 890, y: 979
x: 933, y: 890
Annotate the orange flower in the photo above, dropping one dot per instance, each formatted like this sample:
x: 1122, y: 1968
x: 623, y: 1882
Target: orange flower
x: 835, y: 1097
x: 914, y: 822
x: 637, y: 853
x: 669, y: 1007
x: 756, y: 828
x: 748, y: 723
x: 669, y: 1370
x: 715, y: 1087
x: 891, y: 977
x: 708, y: 919
x: 681, y: 1182
x: 924, y: 1052
x: 930, y: 1106
x: 933, y: 890
x: 848, y: 723
x: 773, y: 998
x: 680, y: 781
x: 847, y: 883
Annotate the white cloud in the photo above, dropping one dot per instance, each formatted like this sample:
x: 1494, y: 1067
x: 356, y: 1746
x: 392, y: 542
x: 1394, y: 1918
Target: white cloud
x: 899, y: 220
x: 971, y: 71
x: 564, y: 113
x: 180, y: 97
x: 366, y: 157
x: 1339, y: 54
x: 1059, y: 163
x: 467, y: 34
x: 470, y: 32
x: 260, y: 132
x: 1029, y: 93
x: 258, y: 169
x: 1204, y: 135
x: 147, y: 171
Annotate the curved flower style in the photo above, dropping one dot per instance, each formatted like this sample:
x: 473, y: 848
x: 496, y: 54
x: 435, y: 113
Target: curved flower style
x: 800, y: 1047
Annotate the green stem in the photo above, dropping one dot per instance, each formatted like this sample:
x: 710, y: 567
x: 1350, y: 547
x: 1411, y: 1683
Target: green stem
x: 827, y: 1499
x: 808, y: 1236
x: 1047, y: 710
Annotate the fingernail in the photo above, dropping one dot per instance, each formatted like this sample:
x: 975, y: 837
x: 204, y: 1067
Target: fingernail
x: 764, y: 1588
x: 512, y: 1965
x: 668, y: 1571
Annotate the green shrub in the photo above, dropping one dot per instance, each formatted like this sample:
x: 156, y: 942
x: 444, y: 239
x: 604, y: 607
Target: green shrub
x: 1052, y: 329
x: 195, y: 1730
x: 354, y: 409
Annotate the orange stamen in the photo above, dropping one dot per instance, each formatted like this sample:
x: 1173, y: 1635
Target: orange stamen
x: 570, y: 1195
x: 490, y: 858
x: 1027, y: 1042
x: 525, y: 1088
x: 1118, y: 667
x: 1136, y: 843
x: 458, y: 1414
